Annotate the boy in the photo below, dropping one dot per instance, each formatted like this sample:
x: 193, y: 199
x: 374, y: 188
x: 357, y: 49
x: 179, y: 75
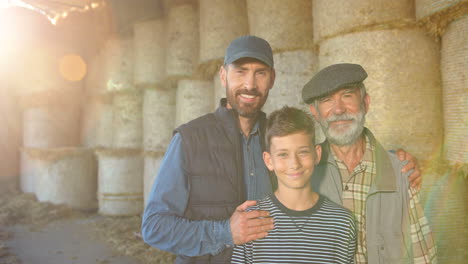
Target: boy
x: 309, y: 228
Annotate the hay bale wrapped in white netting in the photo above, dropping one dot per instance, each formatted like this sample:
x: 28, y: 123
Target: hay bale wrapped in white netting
x: 67, y: 176
x: 152, y: 163
x: 183, y: 41
x: 333, y: 17
x: 51, y: 126
x: 150, y: 52
x: 293, y: 70
x: 194, y: 98
x: 159, y: 107
x: 118, y: 56
x: 120, y: 182
x: 127, y: 119
x: 220, y: 22
x: 95, y: 81
x: 285, y: 25
x: 219, y: 90
x: 404, y: 84
x: 454, y: 65
x: 96, y: 128
x: 425, y: 8
x: 30, y: 170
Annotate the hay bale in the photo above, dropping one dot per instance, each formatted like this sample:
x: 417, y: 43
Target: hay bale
x: 219, y: 90
x: 159, y: 108
x: 152, y: 163
x: 356, y: 15
x: 454, y: 65
x: 182, y: 39
x: 286, y: 25
x: 220, y: 22
x: 404, y: 85
x: 30, y: 170
x: 150, y: 52
x: 96, y: 128
x: 194, y: 98
x: 95, y: 82
x: 293, y: 70
x: 127, y: 120
x: 437, y: 16
x: 120, y: 182
x: 68, y: 177
x: 118, y: 53
x: 425, y: 8
x: 51, y: 127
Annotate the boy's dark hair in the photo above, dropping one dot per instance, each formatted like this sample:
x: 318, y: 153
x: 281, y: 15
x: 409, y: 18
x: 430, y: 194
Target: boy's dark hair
x: 286, y: 121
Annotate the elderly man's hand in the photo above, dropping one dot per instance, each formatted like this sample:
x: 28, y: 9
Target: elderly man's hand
x: 415, y: 178
x: 249, y: 226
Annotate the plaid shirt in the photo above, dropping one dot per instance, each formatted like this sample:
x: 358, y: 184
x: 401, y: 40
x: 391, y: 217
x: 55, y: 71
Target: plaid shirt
x: 356, y: 186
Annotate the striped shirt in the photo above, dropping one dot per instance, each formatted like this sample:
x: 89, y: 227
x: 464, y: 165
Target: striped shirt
x: 322, y: 234
x: 356, y: 186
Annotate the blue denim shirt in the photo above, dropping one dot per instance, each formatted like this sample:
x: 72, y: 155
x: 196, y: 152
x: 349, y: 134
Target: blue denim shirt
x: 163, y: 224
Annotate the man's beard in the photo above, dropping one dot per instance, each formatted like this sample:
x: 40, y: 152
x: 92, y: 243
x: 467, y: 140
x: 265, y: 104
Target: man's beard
x: 344, y: 136
x: 246, y: 110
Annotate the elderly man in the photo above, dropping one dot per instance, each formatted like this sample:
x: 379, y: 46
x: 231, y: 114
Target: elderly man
x: 214, y: 163
x: 356, y: 172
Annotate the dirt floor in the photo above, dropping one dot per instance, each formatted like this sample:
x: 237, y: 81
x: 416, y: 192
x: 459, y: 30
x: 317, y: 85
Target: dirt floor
x: 36, y: 233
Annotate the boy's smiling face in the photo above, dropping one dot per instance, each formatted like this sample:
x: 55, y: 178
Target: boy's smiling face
x: 293, y: 158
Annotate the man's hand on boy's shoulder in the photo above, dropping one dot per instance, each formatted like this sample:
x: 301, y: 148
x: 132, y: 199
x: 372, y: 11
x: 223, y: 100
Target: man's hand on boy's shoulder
x: 249, y: 225
x: 415, y: 178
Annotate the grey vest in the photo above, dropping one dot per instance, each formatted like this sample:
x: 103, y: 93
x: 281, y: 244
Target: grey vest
x: 387, y: 219
x: 213, y: 154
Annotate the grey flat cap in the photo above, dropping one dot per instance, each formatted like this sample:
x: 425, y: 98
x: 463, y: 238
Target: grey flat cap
x: 249, y: 47
x: 332, y: 78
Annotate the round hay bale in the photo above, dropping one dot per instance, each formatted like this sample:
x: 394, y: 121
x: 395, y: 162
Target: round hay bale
x: 152, y: 163
x: 150, y: 52
x: 356, y: 15
x: 194, y: 98
x: 159, y: 108
x: 95, y: 82
x: 219, y: 90
x: 96, y: 128
x: 120, y: 182
x: 127, y: 120
x: 30, y: 170
x: 425, y: 8
x: 51, y: 127
x: 404, y: 85
x: 68, y: 177
x: 454, y: 65
x: 220, y: 22
x: 183, y: 44
x: 286, y: 25
x: 293, y: 70
x: 118, y: 63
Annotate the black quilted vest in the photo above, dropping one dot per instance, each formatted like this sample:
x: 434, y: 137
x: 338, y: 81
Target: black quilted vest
x: 214, y: 163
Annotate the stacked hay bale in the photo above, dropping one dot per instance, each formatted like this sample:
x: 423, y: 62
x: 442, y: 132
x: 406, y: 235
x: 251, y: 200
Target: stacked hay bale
x: 120, y: 163
x: 446, y: 202
x: 50, y: 121
x: 120, y: 182
x: 194, y: 99
x: 67, y: 176
x: 220, y: 23
x: 402, y: 63
x: 448, y: 20
x: 289, y: 33
x: 158, y: 101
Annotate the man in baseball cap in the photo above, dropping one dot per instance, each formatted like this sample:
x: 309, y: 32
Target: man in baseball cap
x: 213, y: 164
x: 356, y: 172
